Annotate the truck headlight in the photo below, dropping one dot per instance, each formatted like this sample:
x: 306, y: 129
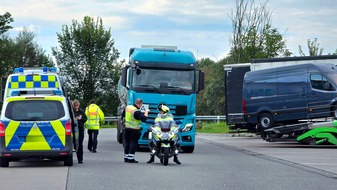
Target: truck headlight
x: 188, y: 127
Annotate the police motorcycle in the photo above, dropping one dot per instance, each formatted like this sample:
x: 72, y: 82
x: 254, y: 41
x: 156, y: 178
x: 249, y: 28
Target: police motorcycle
x: 164, y: 140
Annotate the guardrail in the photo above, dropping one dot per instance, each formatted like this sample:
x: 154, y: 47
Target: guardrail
x: 216, y: 118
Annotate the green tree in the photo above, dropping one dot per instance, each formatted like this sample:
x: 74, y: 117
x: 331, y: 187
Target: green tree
x: 206, y: 65
x: 5, y: 20
x: 30, y: 53
x: 253, y: 35
x: 211, y: 101
x: 88, y: 60
x: 22, y: 51
x: 335, y: 53
x: 313, y: 47
x: 6, y: 45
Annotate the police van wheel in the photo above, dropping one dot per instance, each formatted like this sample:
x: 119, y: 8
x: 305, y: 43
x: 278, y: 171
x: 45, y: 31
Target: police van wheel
x: 266, y: 121
x: 68, y: 161
x: 4, y: 162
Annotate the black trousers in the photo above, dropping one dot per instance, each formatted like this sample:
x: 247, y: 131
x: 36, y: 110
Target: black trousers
x: 131, y: 137
x: 79, y: 151
x: 92, y: 141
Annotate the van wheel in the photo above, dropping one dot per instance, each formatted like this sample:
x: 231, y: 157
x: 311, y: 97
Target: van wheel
x: 266, y: 121
x: 334, y: 112
x: 68, y: 160
x: 4, y: 162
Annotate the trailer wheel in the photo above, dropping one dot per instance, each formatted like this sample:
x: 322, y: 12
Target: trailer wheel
x: 266, y: 121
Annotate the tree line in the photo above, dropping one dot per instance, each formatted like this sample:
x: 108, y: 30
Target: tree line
x: 90, y: 63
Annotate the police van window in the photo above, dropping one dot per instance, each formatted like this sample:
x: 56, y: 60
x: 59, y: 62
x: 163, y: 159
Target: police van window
x: 319, y: 82
x: 34, y: 110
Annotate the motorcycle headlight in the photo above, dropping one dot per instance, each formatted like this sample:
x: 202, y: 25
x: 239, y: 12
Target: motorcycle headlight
x: 188, y: 127
x: 156, y: 131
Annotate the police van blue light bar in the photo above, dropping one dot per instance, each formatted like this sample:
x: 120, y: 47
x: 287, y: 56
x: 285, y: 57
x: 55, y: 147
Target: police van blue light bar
x: 57, y: 92
x: 53, y: 69
x: 18, y: 70
x: 44, y: 69
x: 15, y: 93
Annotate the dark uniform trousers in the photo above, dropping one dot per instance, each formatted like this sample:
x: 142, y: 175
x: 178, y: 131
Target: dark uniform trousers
x: 131, y: 137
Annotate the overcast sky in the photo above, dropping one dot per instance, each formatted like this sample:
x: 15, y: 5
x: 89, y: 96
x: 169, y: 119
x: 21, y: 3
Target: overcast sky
x: 201, y: 26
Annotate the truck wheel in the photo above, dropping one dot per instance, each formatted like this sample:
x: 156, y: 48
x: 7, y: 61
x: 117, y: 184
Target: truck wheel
x: 4, y: 162
x: 119, y: 136
x: 266, y: 121
x: 188, y: 149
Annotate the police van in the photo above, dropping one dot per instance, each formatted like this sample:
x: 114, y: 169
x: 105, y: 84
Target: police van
x: 37, y: 118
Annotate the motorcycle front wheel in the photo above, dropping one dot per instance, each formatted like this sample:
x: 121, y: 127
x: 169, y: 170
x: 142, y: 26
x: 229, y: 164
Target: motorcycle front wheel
x: 166, y: 155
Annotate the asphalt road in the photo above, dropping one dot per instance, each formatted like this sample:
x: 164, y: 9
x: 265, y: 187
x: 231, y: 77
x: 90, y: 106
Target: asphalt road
x: 218, y: 162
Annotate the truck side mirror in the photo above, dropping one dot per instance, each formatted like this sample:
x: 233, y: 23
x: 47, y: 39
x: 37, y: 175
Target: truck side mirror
x: 201, y: 82
x: 123, y: 77
x: 138, y: 70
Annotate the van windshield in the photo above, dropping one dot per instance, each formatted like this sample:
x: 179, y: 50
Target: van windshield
x: 333, y: 77
x: 35, y: 110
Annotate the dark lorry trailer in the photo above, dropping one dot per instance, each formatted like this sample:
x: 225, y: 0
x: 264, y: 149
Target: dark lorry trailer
x: 284, y: 95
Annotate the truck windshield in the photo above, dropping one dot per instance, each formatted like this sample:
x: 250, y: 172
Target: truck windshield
x: 180, y: 81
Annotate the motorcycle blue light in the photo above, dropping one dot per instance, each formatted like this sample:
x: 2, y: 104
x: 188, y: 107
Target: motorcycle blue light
x: 45, y: 69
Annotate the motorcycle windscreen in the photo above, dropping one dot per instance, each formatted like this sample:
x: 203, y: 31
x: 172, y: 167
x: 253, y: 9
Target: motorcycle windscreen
x: 165, y: 126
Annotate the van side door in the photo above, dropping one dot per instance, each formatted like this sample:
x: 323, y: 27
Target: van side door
x: 292, y: 94
x: 321, y: 95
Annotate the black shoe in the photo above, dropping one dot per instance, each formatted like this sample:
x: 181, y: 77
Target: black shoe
x: 94, y: 151
x: 151, y: 160
x: 176, y: 160
x: 80, y: 162
x: 126, y: 160
x: 90, y: 149
x: 133, y: 161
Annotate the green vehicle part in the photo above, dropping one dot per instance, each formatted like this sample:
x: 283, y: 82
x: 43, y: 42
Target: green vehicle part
x: 320, y: 135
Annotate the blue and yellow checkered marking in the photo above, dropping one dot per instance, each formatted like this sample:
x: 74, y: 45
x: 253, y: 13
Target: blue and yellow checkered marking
x: 33, y: 81
x: 35, y: 135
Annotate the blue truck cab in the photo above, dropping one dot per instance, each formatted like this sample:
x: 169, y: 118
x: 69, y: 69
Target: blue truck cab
x: 162, y: 76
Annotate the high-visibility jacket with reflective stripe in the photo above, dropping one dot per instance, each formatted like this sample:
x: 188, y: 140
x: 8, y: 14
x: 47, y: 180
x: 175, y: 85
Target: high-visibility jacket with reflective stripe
x: 164, y: 117
x: 130, y: 121
x: 94, y: 115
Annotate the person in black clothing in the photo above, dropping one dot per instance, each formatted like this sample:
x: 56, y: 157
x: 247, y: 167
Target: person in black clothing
x: 132, y: 131
x: 81, y: 119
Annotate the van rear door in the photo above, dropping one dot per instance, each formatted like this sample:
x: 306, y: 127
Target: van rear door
x: 35, y: 125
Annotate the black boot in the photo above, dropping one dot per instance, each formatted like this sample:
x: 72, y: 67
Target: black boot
x: 175, y: 159
x: 151, y: 160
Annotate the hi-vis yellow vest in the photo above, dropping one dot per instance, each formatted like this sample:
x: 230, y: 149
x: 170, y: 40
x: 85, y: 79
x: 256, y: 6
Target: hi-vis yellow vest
x: 130, y: 121
x: 164, y: 117
x: 94, y: 115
